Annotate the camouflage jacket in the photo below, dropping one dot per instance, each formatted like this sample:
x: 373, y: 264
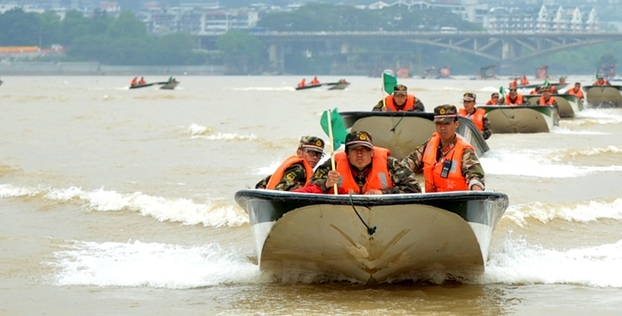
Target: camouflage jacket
x: 294, y: 177
x: 403, y: 178
x: 419, y: 107
x: 471, y: 168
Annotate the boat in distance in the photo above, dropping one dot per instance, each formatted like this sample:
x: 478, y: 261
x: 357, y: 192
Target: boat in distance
x: 524, y: 118
x: 568, y: 105
x: 338, y: 85
x: 603, y: 96
x: 373, y: 238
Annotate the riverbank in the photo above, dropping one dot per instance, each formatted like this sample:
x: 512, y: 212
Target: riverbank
x: 95, y: 68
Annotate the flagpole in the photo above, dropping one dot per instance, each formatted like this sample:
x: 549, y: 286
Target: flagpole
x: 332, y: 146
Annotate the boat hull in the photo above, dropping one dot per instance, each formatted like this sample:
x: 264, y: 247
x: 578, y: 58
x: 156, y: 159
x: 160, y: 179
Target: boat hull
x: 169, y: 85
x: 326, y: 86
x: 521, y: 118
x: 569, y: 105
x: 402, y: 132
x: 322, y: 235
x: 603, y: 96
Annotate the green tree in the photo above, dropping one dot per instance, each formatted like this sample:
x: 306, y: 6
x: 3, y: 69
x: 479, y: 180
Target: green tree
x: 242, y: 52
x: 127, y: 25
x: 18, y: 28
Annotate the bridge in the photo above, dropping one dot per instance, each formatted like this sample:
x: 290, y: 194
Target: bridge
x: 501, y: 48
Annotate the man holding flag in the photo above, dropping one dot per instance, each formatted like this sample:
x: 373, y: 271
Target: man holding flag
x: 400, y: 100
x: 362, y: 169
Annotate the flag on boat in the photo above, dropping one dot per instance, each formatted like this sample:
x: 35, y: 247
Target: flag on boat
x: 389, y: 81
x: 501, y: 93
x: 336, y: 129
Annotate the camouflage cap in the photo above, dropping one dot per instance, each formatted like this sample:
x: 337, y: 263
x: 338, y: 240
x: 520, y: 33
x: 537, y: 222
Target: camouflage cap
x: 400, y: 88
x: 359, y: 138
x: 445, y: 113
x: 469, y: 96
x: 494, y: 94
x: 312, y: 143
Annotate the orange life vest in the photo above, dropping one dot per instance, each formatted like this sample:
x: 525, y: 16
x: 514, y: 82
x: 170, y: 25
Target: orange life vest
x: 578, y: 93
x: 491, y: 102
x: 545, y: 102
x: 524, y: 81
x: 379, y: 177
x: 302, y: 83
x: 513, y: 84
x: 389, y: 102
x: 432, y: 168
x: 315, y: 81
x: 477, y: 117
x: 280, y: 171
x: 604, y: 83
x: 134, y: 81
x: 519, y: 100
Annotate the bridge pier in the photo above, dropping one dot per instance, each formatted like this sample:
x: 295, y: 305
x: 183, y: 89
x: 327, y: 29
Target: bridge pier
x: 276, y: 58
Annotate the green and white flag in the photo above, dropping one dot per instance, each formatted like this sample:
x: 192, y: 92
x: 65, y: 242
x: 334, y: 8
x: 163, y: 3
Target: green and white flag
x: 336, y: 129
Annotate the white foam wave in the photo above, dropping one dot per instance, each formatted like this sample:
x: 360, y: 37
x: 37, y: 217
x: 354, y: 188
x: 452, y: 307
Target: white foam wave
x: 489, y: 89
x: 230, y: 136
x: 582, y: 212
x: 517, y: 262
x: 566, y: 131
x: 137, y: 264
x: 586, y: 152
x: 197, y: 130
x: 215, y: 213
x: 534, y: 164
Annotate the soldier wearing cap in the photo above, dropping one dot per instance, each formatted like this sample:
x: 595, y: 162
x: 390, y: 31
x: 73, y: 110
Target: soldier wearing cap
x: 400, y: 100
x: 448, y: 162
x: 363, y: 169
x: 601, y: 81
x: 494, y: 99
x: 513, y: 98
x: 296, y: 170
x: 478, y: 116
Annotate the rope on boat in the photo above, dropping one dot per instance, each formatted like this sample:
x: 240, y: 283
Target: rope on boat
x: 370, y: 230
x: 398, y: 122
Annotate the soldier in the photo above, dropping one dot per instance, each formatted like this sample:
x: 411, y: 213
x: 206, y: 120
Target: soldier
x: 363, y: 169
x: 494, y: 99
x: 478, y: 116
x: 448, y: 162
x: 400, y: 100
x: 296, y: 170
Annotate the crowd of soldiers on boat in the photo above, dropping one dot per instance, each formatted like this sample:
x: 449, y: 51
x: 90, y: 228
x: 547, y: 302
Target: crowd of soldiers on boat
x: 448, y: 162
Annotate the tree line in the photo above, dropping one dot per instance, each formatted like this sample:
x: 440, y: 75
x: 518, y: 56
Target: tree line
x: 124, y: 40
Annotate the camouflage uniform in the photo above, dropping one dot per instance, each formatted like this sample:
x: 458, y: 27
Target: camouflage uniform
x: 419, y: 107
x: 471, y: 167
x: 486, y: 122
x: 294, y: 177
x: 403, y: 178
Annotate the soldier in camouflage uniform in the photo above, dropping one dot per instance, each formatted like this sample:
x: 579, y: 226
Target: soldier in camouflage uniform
x: 363, y: 169
x: 296, y: 170
x: 478, y: 116
x: 443, y: 170
x: 398, y: 101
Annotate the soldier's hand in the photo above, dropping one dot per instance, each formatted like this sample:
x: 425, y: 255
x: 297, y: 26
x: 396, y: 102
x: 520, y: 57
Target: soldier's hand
x: 476, y: 187
x: 373, y: 192
x: 332, y: 178
x: 383, y: 109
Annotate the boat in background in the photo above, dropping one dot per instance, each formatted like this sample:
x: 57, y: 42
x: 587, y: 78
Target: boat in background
x: 603, y: 96
x: 170, y: 85
x: 339, y: 85
x: 521, y: 118
x: 402, y: 132
x: 568, y: 105
x: 0, y: 82
x: 167, y: 85
x: 373, y: 238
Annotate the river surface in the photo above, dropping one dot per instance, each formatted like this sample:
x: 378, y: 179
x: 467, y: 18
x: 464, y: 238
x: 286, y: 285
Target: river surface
x: 117, y: 201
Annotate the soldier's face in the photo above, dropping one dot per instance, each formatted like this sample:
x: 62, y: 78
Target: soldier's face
x: 469, y: 105
x: 360, y: 156
x: 312, y: 157
x: 399, y: 97
x: 446, y: 130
